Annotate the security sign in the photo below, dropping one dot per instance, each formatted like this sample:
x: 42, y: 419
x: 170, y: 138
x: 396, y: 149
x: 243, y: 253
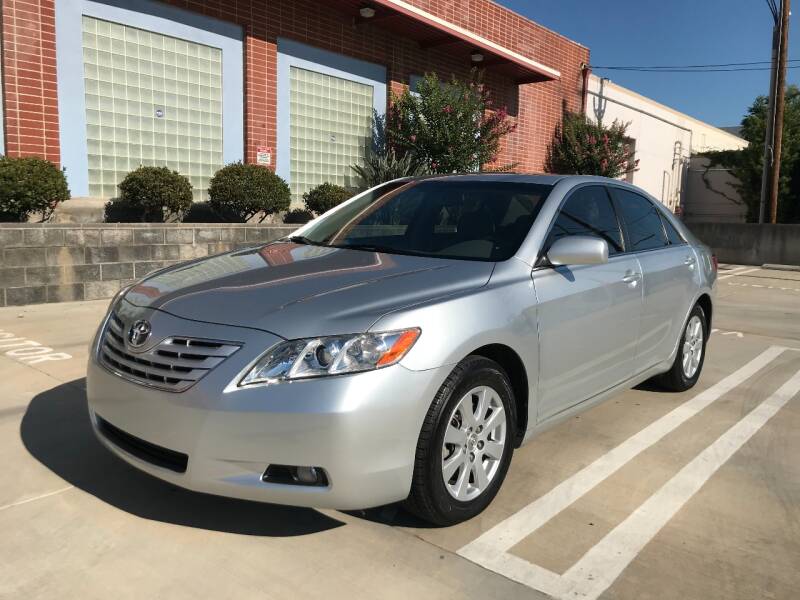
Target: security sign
x: 264, y: 155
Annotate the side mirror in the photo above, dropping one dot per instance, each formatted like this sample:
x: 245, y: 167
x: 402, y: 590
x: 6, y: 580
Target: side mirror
x: 578, y: 250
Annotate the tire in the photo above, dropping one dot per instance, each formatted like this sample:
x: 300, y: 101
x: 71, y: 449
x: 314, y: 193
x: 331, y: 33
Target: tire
x: 467, y: 493
x: 677, y: 379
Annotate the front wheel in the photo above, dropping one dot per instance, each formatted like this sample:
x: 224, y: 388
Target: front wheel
x: 465, y: 445
x: 691, y: 354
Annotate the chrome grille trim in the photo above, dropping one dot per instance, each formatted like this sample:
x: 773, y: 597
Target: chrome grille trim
x: 174, y: 364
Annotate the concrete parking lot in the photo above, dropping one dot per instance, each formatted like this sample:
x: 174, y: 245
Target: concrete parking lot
x: 649, y: 495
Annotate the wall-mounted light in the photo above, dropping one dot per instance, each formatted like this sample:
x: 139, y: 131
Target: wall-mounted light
x: 367, y: 12
x: 476, y: 56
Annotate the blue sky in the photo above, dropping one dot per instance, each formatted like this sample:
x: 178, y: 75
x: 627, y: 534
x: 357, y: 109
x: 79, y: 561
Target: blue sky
x: 674, y: 32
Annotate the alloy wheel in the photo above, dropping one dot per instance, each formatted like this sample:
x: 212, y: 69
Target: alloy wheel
x: 692, y: 347
x: 474, y: 442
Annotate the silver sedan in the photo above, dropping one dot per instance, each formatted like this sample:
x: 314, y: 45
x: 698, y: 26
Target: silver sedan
x: 401, y: 346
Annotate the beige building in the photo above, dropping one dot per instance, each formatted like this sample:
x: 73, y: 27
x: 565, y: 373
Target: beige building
x: 664, y: 141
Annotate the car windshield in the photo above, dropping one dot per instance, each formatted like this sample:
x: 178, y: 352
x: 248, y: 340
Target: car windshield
x: 448, y: 218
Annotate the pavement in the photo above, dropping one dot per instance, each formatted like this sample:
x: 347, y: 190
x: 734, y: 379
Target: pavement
x: 649, y: 495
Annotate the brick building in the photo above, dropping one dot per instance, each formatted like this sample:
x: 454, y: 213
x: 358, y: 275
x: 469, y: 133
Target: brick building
x: 101, y: 86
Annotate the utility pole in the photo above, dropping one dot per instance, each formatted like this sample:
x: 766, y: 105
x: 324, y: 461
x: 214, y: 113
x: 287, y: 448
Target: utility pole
x: 780, y: 95
x: 766, y: 169
x: 770, y: 175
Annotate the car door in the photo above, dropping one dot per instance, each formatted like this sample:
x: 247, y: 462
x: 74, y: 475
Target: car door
x: 588, y: 315
x: 669, y: 268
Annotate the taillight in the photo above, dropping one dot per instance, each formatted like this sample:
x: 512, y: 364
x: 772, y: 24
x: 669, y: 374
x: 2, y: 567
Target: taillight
x: 714, y: 263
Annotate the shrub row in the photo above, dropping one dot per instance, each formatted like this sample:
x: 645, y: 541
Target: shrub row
x: 237, y: 192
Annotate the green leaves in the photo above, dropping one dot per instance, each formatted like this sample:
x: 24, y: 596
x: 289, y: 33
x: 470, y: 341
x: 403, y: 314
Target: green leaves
x: 30, y: 185
x: 155, y: 193
x: 324, y: 197
x: 244, y: 191
x: 582, y: 147
x: 447, y: 127
x: 747, y: 164
x: 384, y: 164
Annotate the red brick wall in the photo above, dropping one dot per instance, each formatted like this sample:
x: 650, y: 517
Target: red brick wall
x: 28, y: 27
x: 29, y: 78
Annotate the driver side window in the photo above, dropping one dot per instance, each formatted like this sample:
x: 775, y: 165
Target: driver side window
x: 588, y: 211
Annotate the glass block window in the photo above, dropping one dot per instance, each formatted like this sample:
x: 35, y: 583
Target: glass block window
x: 151, y: 99
x: 331, y: 126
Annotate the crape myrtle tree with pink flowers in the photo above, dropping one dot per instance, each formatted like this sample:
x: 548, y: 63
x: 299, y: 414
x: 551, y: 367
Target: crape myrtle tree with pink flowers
x: 449, y: 127
x: 584, y: 147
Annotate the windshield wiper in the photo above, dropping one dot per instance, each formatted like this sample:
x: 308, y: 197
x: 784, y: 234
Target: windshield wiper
x: 378, y: 248
x: 301, y: 239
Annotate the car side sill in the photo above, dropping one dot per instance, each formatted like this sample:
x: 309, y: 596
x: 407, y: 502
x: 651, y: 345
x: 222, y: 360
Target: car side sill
x: 595, y: 400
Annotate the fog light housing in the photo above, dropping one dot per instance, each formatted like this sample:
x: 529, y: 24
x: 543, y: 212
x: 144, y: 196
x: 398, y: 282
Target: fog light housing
x: 294, y: 475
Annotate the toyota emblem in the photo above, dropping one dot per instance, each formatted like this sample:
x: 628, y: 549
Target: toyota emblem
x: 138, y: 333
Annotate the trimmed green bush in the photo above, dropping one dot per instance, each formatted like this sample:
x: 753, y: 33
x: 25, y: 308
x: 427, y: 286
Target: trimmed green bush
x: 247, y: 191
x: 203, y: 212
x: 30, y: 185
x: 324, y: 197
x: 122, y: 211
x: 298, y: 215
x: 159, y: 193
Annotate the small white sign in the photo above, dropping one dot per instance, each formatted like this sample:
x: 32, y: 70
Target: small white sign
x: 264, y: 155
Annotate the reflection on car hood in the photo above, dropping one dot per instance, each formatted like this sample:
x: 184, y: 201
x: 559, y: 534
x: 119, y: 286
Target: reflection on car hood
x: 296, y: 290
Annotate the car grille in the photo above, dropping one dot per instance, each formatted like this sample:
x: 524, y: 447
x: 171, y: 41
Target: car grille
x: 142, y: 449
x: 174, y: 364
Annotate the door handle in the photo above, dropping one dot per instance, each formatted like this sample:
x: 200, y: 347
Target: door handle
x: 632, y: 278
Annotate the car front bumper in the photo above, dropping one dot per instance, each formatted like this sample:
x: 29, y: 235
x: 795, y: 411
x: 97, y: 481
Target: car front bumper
x: 362, y: 429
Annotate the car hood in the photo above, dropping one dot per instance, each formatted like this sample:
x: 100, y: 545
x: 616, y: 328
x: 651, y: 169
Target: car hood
x: 296, y: 290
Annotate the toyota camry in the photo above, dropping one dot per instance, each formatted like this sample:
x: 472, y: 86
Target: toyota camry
x: 401, y: 346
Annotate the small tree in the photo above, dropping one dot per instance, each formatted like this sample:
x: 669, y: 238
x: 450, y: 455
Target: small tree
x: 154, y: 193
x: 583, y: 147
x: 324, y: 197
x: 450, y: 127
x: 746, y: 164
x: 30, y: 185
x: 247, y: 191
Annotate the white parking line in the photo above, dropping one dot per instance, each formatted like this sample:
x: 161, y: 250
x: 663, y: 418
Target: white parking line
x: 490, y: 549
x: 39, y: 497
x: 601, y: 565
x: 737, y: 272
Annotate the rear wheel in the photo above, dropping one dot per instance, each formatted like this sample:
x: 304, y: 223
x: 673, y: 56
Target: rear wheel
x: 465, y: 445
x: 691, y: 354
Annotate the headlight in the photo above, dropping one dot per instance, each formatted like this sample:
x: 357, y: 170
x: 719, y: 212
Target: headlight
x: 334, y: 355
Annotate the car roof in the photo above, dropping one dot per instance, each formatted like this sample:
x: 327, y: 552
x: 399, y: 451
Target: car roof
x: 540, y: 178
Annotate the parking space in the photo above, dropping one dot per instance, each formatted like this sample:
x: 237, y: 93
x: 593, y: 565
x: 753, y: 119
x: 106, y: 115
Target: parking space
x: 649, y: 495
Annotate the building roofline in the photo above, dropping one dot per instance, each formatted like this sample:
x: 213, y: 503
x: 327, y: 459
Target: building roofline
x: 553, y: 31
x: 668, y: 108
x: 458, y: 31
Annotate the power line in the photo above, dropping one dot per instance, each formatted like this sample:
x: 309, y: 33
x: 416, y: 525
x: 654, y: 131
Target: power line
x: 699, y: 71
x: 773, y: 8
x: 687, y: 67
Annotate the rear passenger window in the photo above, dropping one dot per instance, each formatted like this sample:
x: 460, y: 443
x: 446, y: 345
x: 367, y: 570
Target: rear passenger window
x: 672, y: 234
x: 588, y: 211
x: 642, y: 221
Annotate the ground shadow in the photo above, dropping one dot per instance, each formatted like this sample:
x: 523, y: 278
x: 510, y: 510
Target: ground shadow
x: 57, y: 432
x: 393, y: 515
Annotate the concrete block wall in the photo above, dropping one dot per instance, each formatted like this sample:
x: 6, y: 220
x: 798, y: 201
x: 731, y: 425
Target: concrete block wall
x: 66, y: 262
x: 751, y: 243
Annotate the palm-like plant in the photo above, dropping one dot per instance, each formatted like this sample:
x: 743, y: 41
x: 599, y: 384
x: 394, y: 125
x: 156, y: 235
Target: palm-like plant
x: 383, y: 164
